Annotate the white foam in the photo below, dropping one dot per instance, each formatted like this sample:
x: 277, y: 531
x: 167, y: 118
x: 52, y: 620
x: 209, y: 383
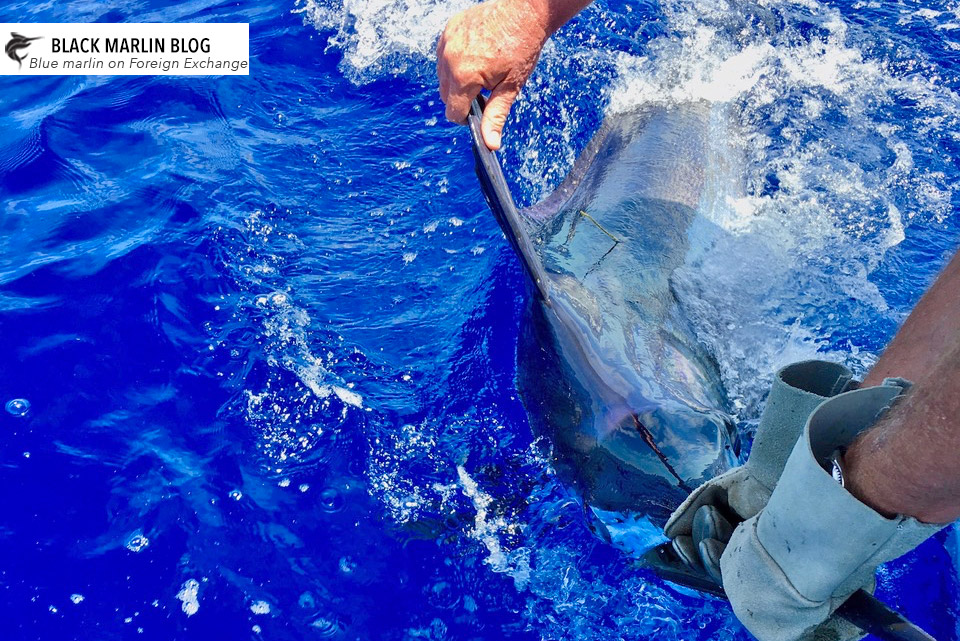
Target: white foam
x: 380, y: 35
x: 137, y: 541
x: 279, y: 414
x: 487, y: 529
x: 347, y: 396
x: 390, y: 481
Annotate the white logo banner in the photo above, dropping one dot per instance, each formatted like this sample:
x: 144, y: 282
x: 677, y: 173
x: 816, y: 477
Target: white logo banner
x: 125, y: 49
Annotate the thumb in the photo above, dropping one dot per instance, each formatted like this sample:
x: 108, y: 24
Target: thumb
x: 496, y: 112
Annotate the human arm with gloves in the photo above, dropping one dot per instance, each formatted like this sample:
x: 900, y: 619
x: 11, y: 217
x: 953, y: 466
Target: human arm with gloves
x: 790, y: 554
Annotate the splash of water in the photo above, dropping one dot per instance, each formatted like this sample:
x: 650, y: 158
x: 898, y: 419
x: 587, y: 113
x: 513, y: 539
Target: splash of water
x: 380, y: 36
x: 291, y: 418
x: 812, y: 177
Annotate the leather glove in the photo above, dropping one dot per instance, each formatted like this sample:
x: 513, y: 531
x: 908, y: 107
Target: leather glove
x: 788, y: 568
x: 702, y: 522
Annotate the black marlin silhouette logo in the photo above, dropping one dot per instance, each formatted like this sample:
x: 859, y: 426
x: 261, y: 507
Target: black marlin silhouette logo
x: 16, y: 44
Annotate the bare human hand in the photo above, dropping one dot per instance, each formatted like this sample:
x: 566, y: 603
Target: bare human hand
x: 495, y: 45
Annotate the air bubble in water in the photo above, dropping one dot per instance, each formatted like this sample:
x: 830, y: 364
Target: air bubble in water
x: 236, y: 495
x: 76, y: 599
x: 331, y: 500
x: 189, y: 597
x: 137, y: 542
x: 18, y: 407
x: 325, y: 627
x: 348, y: 565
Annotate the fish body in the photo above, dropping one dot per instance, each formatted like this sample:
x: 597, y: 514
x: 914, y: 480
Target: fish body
x: 609, y: 369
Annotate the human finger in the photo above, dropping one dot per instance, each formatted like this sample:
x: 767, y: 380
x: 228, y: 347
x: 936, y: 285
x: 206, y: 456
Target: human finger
x: 710, y: 551
x: 709, y: 523
x: 687, y: 550
x: 443, y: 78
x: 495, y: 114
x: 459, y: 99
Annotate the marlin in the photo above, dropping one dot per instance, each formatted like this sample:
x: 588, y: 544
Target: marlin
x: 17, y: 43
x: 608, y: 367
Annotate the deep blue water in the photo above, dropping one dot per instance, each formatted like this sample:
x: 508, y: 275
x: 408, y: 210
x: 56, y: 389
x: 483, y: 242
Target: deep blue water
x: 267, y: 328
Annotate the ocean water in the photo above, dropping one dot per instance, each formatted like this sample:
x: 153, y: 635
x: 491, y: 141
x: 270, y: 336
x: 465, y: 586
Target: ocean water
x: 259, y: 332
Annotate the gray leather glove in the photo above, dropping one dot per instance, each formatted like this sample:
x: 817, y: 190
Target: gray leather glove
x: 701, y: 525
x: 787, y: 569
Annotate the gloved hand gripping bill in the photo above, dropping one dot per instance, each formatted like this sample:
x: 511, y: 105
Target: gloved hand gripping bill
x: 814, y: 544
x: 808, y: 544
x: 700, y: 525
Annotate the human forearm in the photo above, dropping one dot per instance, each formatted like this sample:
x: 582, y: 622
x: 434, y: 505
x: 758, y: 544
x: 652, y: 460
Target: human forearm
x: 554, y: 13
x: 931, y: 330
x: 909, y: 463
x: 805, y: 543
